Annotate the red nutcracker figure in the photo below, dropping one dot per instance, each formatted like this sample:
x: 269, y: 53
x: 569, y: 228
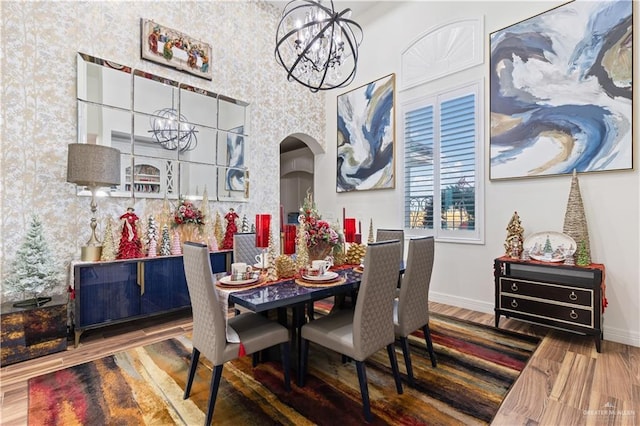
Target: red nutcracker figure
x: 130, y: 245
x: 230, y: 217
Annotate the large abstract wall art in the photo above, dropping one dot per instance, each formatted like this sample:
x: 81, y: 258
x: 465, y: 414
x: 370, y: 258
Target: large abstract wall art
x: 561, y: 92
x: 366, y: 135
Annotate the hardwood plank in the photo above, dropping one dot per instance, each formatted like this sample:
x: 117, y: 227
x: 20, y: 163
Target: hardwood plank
x: 563, y: 381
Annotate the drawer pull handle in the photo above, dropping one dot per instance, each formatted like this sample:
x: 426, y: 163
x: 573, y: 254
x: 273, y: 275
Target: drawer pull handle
x: 573, y: 296
x: 514, y: 303
x: 573, y: 315
x: 514, y: 286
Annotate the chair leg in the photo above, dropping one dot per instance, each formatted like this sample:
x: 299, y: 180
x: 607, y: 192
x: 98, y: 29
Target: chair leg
x: 364, y: 390
x: 286, y: 364
x: 195, y: 355
x: 427, y: 338
x: 394, y: 367
x: 302, y: 362
x: 407, y: 360
x: 213, y: 392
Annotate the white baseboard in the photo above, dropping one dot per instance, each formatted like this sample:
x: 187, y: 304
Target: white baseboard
x: 618, y: 335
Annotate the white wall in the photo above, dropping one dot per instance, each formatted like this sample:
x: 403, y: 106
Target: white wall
x: 463, y: 274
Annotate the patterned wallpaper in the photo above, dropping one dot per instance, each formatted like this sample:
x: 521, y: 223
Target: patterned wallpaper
x: 38, y: 82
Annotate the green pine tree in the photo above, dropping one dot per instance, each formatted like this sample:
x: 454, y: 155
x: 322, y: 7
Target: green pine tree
x: 582, y: 258
x: 34, y: 270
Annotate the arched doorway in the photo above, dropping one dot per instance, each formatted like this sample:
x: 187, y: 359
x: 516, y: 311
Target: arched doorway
x: 297, y: 153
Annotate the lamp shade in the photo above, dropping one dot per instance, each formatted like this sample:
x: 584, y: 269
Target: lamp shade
x: 93, y: 165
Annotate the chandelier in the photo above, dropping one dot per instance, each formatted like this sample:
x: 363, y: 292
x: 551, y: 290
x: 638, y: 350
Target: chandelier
x: 171, y: 131
x: 317, y: 45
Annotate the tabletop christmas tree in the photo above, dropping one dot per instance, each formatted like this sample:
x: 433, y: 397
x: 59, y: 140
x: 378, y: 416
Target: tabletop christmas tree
x: 513, y: 243
x: 176, y: 246
x: 207, y: 230
x: 165, y: 245
x: 109, y: 248
x: 33, y: 271
x: 152, y: 237
x: 302, y: 256
x: 272, y: 272
x: 245, y: 224
x: 217, y: 229
x: 370, y: 238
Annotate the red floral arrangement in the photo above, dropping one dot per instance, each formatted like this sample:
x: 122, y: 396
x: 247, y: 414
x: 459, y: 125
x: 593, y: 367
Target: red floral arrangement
x: 318, y: 231
x: 188, y: 213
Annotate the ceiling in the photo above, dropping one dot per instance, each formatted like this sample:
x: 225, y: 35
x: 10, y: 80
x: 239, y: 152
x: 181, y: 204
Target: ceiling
x: 358, y: 8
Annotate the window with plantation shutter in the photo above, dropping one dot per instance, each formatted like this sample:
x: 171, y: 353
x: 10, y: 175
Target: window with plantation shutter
x: 443, y: 151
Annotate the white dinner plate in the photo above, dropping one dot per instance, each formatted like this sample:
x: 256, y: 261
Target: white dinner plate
x: 228, y: 281
x: 330, y: 275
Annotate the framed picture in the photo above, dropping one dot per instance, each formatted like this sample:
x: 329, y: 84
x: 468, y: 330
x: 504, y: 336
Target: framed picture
x: 172, y: 48
x: 366, y: 137
x: 561, y: 92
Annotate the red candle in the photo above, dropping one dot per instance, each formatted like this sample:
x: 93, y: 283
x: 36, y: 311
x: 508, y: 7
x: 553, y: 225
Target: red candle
x: 263, y: 221
x: 349, y: 229
x: 290, y: 239
x: 358, y: 238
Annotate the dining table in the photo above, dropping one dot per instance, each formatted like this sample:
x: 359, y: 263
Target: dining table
x: 297, y: 294
x: 294, y: 293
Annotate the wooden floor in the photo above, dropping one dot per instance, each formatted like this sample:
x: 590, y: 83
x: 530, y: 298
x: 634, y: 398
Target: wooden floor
x: 566, y: 382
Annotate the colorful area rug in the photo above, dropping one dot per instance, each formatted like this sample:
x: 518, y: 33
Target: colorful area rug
x: 476, y: 367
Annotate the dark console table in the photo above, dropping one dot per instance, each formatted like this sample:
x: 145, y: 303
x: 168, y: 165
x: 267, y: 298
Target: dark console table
x: 107, y: 293
x: 565, y: 297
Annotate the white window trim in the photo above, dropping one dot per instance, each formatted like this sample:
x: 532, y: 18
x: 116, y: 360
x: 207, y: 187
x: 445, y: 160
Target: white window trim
x: 442, y: 235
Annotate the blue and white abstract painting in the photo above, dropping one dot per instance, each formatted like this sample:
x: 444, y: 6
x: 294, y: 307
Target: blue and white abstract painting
x: 366, y: 133
x: 561, y: 92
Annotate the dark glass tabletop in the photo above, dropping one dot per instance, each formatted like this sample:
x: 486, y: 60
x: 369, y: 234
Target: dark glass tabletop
x: 287, y: 293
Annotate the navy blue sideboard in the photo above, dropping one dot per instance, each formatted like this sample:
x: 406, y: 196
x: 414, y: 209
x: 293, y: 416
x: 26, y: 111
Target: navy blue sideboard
x: 107, y: 293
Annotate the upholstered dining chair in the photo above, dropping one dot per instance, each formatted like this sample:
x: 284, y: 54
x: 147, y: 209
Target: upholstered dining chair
x: 411, y: 308
x: 244, y: 248
x: 255, y: 331
x: 391, y: 234
x: 360, y: 332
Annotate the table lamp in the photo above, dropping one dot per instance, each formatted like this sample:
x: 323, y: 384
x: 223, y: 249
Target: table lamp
x: 93, y: 166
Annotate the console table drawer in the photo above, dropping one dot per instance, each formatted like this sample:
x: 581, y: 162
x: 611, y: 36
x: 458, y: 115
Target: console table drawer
x: 546, y: 310
x: 548, y: 291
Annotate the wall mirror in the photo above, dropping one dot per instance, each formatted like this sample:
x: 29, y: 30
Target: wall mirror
x: 175, y: 139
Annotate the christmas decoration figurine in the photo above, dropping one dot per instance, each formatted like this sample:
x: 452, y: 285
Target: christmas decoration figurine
x: 245, y: 223
x: 370, y: 238
x: 33, y: 271
x: 232, y: 228
x: 513, y: 243
x: 217, y: 230
x: 130, y: 246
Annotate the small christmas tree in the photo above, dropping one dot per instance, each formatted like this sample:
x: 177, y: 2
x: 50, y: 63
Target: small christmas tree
x: 176, y: 247
x: 547, y: 249
x: 217, y: 229
x: 165, y: 246
x: 109, y: 248
x: 272, y: 272
x: 302, y: 255
x: 33, y: 271
x: 370, y: 238
x: 583, y: 257
x: 245, y: 223
x: 152, y: 234
x: 515, y: 231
